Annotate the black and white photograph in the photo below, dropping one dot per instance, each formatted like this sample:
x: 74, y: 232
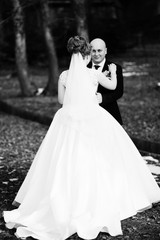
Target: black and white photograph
x: 80, y: 119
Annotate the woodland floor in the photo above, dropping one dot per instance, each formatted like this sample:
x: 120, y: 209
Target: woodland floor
x: 20, y: 138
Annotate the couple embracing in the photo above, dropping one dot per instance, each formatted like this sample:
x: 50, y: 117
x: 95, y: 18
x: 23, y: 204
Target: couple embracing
x: 87, y: 175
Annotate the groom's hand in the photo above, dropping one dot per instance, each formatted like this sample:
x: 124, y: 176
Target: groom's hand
x: 99, y: 97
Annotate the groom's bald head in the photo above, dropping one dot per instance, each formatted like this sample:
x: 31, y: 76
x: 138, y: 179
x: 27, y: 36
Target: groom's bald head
x: 98, y: 42
x: 98, y: 50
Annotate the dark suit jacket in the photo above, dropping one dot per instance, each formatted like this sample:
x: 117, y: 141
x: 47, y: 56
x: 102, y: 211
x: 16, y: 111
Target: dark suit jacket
x: 110, y: 97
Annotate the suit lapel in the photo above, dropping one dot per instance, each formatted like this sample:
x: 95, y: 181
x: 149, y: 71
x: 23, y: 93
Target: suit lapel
x: 89, y: 65
x: 105, y: 67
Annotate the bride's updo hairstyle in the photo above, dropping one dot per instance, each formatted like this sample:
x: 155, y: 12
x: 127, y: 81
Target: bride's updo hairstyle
x: 78, y: 44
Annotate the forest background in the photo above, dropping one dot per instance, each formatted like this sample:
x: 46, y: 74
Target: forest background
x: 34, y: 34
x: 33, y: 37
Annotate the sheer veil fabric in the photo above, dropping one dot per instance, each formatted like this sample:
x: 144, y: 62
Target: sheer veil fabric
x: 80, y: 93
x: 87, y: 175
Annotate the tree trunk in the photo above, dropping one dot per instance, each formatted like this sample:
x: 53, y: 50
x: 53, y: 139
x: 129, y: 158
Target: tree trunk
x: 80, y: 10
x: 1, y: 26
x: 20, y: 50
x: 51, y: 88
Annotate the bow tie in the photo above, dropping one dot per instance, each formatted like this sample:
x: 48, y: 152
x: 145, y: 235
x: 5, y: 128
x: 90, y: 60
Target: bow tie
x: 96, y: 66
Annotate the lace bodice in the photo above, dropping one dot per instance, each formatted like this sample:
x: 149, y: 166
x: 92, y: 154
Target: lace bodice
x: 92, y: 72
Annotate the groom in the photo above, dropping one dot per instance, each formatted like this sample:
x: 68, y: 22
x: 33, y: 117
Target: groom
x: 99, y: 62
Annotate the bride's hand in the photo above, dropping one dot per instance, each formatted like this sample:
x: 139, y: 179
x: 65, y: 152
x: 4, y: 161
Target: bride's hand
x: 112, y: 68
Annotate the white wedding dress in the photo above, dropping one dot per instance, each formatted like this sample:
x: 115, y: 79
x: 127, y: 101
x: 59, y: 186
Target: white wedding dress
x: 87, y: 175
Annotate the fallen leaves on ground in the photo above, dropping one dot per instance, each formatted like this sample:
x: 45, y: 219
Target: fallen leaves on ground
x: 19, y: 141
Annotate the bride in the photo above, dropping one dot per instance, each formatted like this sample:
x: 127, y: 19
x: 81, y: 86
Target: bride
x: 87, y: 175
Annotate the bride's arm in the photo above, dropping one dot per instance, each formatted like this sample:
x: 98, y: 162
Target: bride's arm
x: 108, y: 82
x: 61, y: 87
x: 61, y: 91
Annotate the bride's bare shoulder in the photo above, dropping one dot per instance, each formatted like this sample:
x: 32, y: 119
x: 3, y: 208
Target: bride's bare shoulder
x: 64, y: 74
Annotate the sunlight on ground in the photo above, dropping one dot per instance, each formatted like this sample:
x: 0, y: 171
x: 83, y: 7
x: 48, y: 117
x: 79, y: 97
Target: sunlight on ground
x: 153, y: 165
x: 132, y: 69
